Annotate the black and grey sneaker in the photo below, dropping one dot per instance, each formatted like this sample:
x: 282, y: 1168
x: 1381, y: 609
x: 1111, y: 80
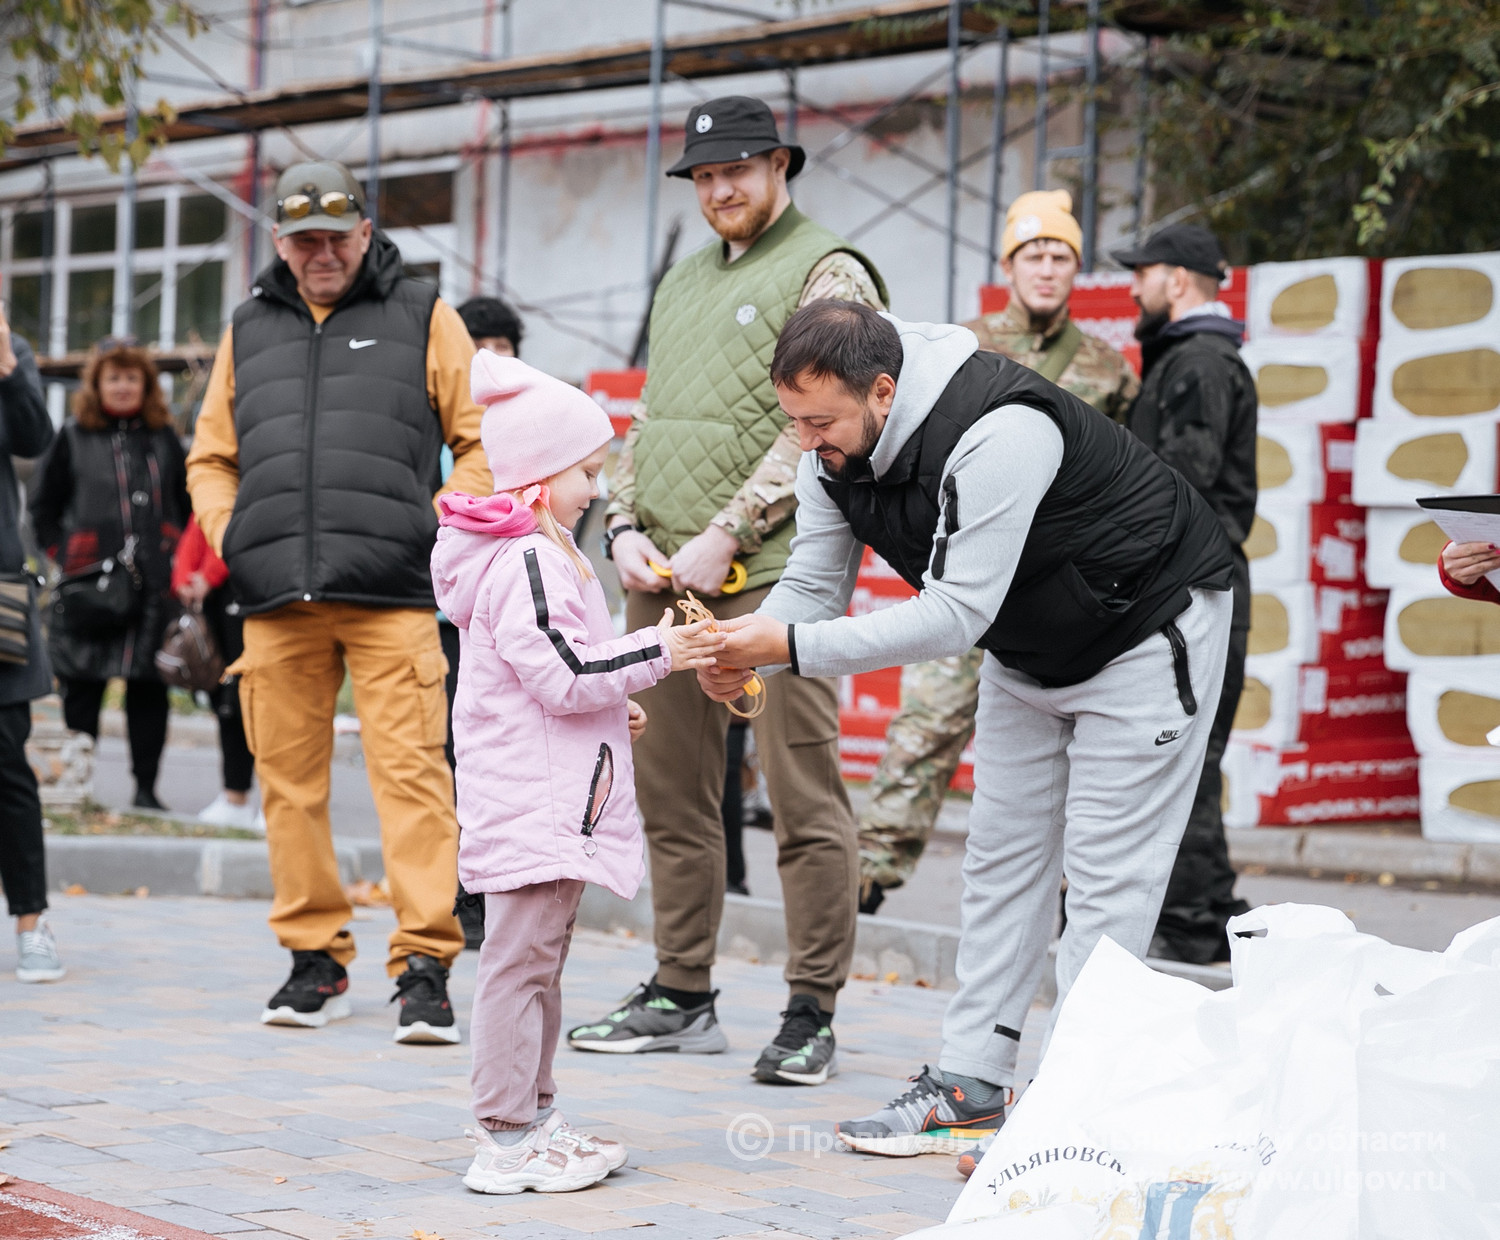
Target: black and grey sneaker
x: 313, y: 995
x: 469, y: 909
x: 647, y: 1020
x: 803, y: 1052
x: 929, y: 1118
x: 422, y: 991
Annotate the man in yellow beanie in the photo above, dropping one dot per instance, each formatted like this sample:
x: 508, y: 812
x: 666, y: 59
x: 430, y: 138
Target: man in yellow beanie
x: 925, y: 739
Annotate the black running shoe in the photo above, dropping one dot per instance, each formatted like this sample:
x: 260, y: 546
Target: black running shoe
x: 145, y: 798
x: 313, y: 995
x: 469, y: 909
x: 803, y: 1052
x: 871, y: 895
x: 426, y: 1014
x: 929, y: 1118
x: 647, y: 1020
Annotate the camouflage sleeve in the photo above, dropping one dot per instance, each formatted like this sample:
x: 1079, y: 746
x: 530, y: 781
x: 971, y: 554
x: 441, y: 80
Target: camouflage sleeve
x: 1128, y: 388
x: 622, y: 475
x: 768, y: 498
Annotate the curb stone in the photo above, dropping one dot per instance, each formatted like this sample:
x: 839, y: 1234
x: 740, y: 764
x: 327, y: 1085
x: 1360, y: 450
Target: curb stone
x: 752, y: 928
x: 1406, y: 858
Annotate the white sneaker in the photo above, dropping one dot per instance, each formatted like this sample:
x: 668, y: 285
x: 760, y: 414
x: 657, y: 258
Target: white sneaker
x: 534, y: 1163
x: 561, y: 1133
x: 36, y: 954
x: 222, y: 812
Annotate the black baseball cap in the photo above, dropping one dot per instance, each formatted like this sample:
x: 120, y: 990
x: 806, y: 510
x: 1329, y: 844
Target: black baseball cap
x: 734, y: 127
x: 1178, y: 245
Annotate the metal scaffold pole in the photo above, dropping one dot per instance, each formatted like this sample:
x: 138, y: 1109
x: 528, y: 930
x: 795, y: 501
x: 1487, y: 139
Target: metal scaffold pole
x: 257, y: 81
x: 997, y: 158
x: 124, y: 315
x: 1139, y: 197
x: 1090, y: 219
x: 1039, y: 179
x: 372, y: 166
x: 950, y: 285
x: 653, y: 139
x: 791, y: 88
x: 502, y: 227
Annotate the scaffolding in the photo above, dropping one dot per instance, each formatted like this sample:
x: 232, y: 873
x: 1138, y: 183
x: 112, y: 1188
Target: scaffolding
x: 960, y: 28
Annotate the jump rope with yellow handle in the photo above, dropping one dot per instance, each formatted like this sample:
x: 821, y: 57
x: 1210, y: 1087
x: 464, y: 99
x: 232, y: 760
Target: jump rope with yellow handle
x: 733, y: 583
x: 755, y: 689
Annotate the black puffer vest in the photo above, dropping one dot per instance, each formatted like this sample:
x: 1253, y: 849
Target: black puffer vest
x: 1116, y: 543
x: 339, y: 443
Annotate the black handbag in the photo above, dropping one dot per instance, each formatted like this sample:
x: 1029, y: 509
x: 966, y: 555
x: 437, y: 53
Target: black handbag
x: 102, y: 600
x: 17, y: 598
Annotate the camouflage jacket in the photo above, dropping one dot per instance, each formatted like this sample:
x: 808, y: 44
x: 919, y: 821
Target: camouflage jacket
x: 1097, y: 373
x: 768, y: 498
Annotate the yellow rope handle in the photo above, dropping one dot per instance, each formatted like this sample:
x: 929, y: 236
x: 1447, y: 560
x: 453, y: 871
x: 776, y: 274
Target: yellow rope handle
x: 733, y: 583
x: 693, y: 611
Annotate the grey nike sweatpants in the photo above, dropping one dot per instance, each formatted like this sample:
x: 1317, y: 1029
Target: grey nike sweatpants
x: 1094, y: 781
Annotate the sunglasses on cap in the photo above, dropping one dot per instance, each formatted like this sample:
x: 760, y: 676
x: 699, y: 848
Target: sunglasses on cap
x: 112, y: 344
x: 334, y: 202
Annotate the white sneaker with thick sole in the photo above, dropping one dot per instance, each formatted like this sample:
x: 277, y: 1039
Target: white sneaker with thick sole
x: 37, y: 959
x: 560, y: 1132
x: 222, y: 812
x: 535, y: 1163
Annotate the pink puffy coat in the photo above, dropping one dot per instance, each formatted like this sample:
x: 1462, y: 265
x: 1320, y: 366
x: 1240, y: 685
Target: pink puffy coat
x: 546, y: 786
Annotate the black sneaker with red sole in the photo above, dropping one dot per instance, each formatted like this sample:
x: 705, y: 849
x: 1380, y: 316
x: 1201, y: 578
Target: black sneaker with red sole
x: 312, y: 996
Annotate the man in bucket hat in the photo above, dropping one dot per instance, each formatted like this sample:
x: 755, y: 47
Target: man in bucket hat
x: 706, y: 482
x: 313, y: 470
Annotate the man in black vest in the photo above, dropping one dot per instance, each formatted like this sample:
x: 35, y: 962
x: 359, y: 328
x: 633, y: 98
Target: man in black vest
x: 1196, y: 411
x: 1096, y: 581
x: 314, y: 464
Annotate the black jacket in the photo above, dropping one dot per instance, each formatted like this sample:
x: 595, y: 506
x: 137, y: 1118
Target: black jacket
x: 1114, y: 547
x: 339, y: 443
x: 1197, y: 411
x: 25, y: 431
x: 82, y: 515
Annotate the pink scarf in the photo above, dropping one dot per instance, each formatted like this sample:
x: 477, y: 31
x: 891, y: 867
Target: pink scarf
x: 500, y: 516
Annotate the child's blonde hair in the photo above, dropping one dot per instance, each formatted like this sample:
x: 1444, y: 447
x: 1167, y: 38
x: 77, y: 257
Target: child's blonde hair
x: 548, y: 525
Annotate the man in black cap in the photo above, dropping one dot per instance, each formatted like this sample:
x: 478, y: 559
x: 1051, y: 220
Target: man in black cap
x: 703, y: 500
x: 1196, y: 411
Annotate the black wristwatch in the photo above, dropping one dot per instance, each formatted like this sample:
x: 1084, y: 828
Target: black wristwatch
x: 608, y: 541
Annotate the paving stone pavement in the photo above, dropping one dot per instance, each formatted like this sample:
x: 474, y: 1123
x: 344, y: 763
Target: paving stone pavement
x: 144, y: 1080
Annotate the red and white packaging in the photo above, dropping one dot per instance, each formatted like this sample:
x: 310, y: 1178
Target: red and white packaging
x: 1336, y: 544
x: 617, y: 392
x: 1351, y: 624
x: 1350, y: 702
x: 1318, y: 297
x: 1283, y: 620
x: 1452, y: 714
x: 1330, y: 781
x: 1461, y: 799
x: 1320, y: 380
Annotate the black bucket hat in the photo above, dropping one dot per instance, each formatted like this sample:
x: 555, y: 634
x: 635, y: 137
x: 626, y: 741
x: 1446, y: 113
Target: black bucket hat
x: 734, y: 127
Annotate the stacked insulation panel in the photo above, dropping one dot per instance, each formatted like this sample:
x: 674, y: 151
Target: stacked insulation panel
x: 1320, y: 735
x: 1436, y: 407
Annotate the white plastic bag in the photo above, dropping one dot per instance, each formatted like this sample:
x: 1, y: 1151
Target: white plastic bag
x: 1342, y: 1088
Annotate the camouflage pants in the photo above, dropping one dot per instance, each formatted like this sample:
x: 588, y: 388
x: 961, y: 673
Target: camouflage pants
x: 924, y: 742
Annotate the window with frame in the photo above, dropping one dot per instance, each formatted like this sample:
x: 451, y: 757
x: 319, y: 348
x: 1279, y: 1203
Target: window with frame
x: 63, y: 275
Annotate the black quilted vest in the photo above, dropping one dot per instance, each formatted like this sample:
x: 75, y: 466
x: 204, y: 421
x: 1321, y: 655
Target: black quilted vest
x: 1115, y: 545
x: 339, y: 443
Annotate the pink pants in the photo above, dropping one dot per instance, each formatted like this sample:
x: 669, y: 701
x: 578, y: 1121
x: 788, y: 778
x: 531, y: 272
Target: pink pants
x: 517, y: 1013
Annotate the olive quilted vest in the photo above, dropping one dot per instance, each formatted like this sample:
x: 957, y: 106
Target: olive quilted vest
x: 712, y: 412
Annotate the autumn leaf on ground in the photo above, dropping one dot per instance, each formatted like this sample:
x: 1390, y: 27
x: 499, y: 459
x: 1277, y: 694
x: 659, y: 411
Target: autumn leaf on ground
x: 367, y: 894
x: 280, y: 1179
x: 75, y: 889
x: 419, y: 1234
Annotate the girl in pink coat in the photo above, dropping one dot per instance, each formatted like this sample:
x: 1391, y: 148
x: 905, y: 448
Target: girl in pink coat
x: 542, y: 730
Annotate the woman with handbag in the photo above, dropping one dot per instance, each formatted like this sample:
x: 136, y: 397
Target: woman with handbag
x: 200, y: 580
x: 109, y: 503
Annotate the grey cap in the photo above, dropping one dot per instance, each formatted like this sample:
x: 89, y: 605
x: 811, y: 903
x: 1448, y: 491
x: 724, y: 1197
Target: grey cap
x: 316, y: 178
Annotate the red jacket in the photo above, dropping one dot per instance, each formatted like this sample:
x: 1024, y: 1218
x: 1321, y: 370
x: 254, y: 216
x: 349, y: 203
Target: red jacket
x: 194, y: 555
x: 1481, y: 591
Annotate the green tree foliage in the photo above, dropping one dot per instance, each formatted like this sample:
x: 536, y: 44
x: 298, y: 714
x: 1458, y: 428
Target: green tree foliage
x: 81, y: 56
x: 1309, y: 128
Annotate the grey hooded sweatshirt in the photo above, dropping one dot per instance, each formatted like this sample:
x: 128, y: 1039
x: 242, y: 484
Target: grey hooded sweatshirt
x: 1003, y: 464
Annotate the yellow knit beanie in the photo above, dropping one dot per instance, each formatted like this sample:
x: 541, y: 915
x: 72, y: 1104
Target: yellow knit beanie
x: 1042, y: 213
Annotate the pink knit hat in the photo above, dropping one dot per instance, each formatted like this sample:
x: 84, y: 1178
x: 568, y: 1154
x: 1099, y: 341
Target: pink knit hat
x: 534, y: 425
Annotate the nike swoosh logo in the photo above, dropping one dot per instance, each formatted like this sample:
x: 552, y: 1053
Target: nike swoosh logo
x: 1165, y: 740
x: 360, y: 344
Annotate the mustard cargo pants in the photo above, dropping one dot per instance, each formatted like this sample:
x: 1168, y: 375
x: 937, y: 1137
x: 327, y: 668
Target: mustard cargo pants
x: 290, y: 676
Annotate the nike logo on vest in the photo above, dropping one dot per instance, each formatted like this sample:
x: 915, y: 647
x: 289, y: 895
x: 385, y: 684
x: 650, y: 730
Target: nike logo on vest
x: 360, y: 344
